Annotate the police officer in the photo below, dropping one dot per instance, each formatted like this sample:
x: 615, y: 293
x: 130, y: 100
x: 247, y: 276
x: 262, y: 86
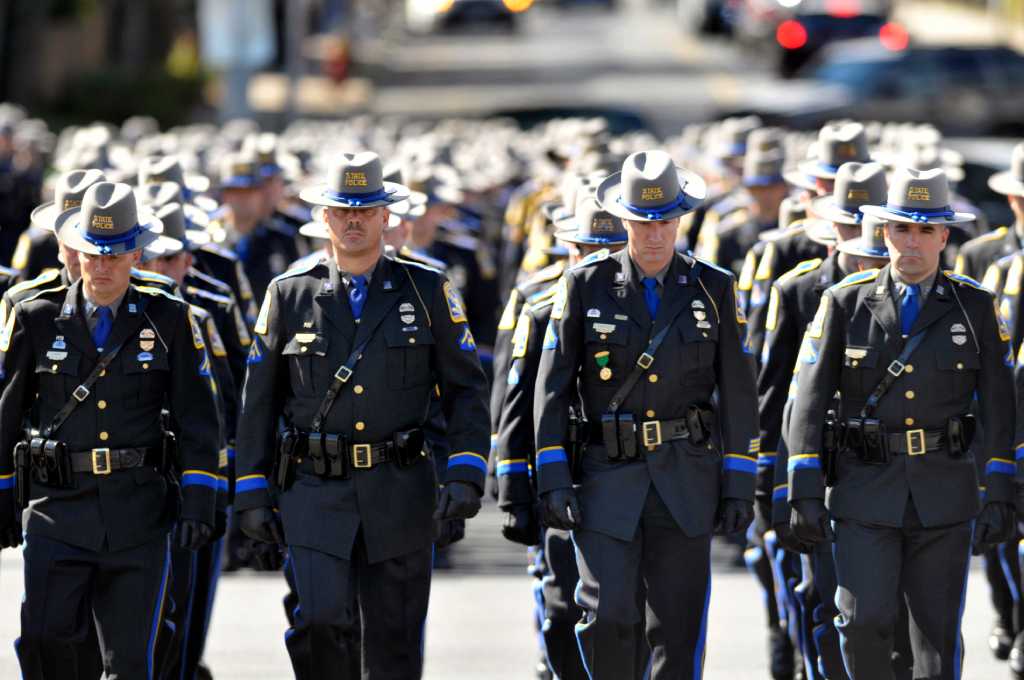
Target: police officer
x: 348, y: 352
x: 904, y: 486
x: 99, y: 473
x: 647, y: 335
x: 978, y: 253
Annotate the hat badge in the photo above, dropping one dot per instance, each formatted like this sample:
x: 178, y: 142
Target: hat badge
x: 355, y: 179
x: 102, y: 223
x: 918, y: 194
x: 652, y: 193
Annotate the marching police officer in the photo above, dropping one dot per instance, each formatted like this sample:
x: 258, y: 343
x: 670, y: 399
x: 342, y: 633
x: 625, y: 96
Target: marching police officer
x: 348, y: 352
x: 90, y: 366
x: 904, y: 485
x: 646, y: 336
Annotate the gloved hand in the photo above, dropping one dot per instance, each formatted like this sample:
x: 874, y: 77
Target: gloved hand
x: 521, y: 525
x: 459, y: 500
x: 734, y: 515
x: 787, y: 540
x: 193, y: 534
x: 262, y: 556
x: 995, y: 525
x: 809, y: 521
x: 449, y: 531
x: 762, y: 514
x: 559, y: 509
x: 261, y: 524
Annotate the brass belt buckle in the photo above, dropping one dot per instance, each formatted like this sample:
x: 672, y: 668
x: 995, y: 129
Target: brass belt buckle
x: 361, y: 456
x: 101, y: 462
x: 916, y: 444
x: 651, y: 432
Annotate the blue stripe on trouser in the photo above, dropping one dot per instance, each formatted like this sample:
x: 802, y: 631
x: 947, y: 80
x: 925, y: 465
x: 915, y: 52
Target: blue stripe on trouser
x: 958, y: 651
x: 1004, y: 564
x: 698, y: 654
x: 158, y: 611
x: 194, y: 583
x: 580, y: 627
x: 835, y: 622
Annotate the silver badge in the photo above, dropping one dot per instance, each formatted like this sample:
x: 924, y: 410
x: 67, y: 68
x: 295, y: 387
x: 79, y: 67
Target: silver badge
x: 406, y: 307
x: 699, y: 315
x: 147, y: 334
x: 132, y: 309
x: 959, y: 339
x: 957, y: 328
x: 940, y: 289
x: 682, y: 279
x: 697, y: 304
x: 620, y: 277
x: 593, y: 313
x: 703, y: 324
x: 408, y: 318
x: 56, y: 356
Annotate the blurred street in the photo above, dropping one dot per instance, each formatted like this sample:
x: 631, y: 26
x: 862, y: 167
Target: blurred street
x: 479, y: 626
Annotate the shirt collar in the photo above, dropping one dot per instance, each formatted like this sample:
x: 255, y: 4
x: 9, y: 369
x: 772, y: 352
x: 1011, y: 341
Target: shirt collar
x: 346, y: 277
x: 925, y: 285
x: 660, y: 276
x: 91, y: 307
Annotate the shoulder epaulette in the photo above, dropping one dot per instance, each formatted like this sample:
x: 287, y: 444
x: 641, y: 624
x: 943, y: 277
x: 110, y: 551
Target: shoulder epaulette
x: 45, y: 291
x: 548, y: 273
x: 200, y: 313
x: 593, y: 258
x: 543, y: 296
x: 508, y: 315
x: 711, y: 265
x: 856, y: 278
x: 965, y: 280
x: 734, y: 220
x: 1014, y: 275
x: 302, y: 268
x: 151, y: 290
x: 145, y: 275
x: 44, y: 278
x: 801, y: 269
x: 420, y: 258
x: 419, y: 265
x: 993, y: 235
x: 464, y: 241
x: 221, y: 251
x: 208, y: 295
x: 748, y: 270
x: 282, y: 228
x: 546, y: 301
x: 211, y: 281
x: 8, y: 272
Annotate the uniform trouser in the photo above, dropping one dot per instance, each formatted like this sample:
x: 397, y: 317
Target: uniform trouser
x: 611, y: 574
x: 193, y: 585
x: 392, y: 598
x: 66, y: 586
x: 826, y: 637
x: 874, y: 564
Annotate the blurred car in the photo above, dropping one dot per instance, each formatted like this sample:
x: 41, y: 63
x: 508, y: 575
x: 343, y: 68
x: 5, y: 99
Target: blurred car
x: 428, y: 16
x: 961, y: 90
x: 707, y: 16
x: 791, y: 32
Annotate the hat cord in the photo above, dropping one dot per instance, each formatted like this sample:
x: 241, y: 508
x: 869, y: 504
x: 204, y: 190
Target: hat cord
x: 920, y: 215
x: 657, y: 212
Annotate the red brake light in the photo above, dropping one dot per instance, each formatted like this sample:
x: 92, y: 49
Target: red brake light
x: 791, y: 34
x: 893, y: 37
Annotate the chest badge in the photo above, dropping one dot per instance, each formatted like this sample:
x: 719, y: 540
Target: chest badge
x: 58, y: 343
x: 959, y: 339
x: 147, y: 334
x: 602, y: 359
x: 593, y: 313
x: 146, y: 345
x: 699, y: 315
x: 697, y: 304
x: 408, y: 318
x: 406, y: 308
x: 56, y: 356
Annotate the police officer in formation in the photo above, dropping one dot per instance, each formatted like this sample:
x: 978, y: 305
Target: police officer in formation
x: 625, y: 424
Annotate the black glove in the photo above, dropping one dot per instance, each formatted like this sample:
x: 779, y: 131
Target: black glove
x: 521, y: 525
x: 559, y: 509
x: 787, y: 540
x: 193, y: 534
x: 262, y: 556
x: 261, y: 524
x: 762, y: 514
x: 459, y: 500
x: 10, y: 532
x: 809, y: 521
x: 449, y: 531
x: 734, y: 515
x: 995, y: 525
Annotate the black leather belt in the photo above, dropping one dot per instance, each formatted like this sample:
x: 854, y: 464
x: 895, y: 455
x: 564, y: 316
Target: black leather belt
x: 915, y: 442
x: 105, y: 461
x: 652, y: 432
x: 358, y: 456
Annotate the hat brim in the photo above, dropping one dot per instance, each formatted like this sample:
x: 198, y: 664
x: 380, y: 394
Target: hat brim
x: 763, y: 181
x: 319, y: 229
x: 812, y: 168
x: 856, y: 247
x: 321, y: 194
x: 882, y: 213
x: 163, y: 246
x: 693, y: 187
x: 44, y: 216
x: 798, y: 179
x: 572, y: 235
x: 821, y: 232
x: 68, y: 223
x: 1006, y: 184
x: 241, y: 182
x: 825, y: 208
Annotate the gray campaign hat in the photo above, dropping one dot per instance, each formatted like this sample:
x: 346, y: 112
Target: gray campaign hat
x: 317, y: 227
x: 67, y: 194
x: 762, y: 167
x: 356, y: 180
x: 837, y: 144
x: 184, y: 225
x: 108, y: 222
x: 591, y: 225
x: 920, y: 196
x: 169, y: 169
x: 1010, y: 182
x: 650, y: 187
x: 856, y: 184
x: 871, y: 242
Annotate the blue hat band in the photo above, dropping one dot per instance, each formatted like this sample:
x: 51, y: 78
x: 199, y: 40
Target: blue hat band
x: 105, y: 244
x: 357, y: 200
x: 920, y: 215
x: 596, y: 239
x: 762, y: 180
x: 657, y: 212
x: 827, y: 167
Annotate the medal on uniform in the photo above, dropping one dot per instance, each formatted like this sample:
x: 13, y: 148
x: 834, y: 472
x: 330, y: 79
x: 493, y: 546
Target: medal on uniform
x: 56, y: 356
x: 387, y: 285
x: 602, y: 359
x: 58, y: 343
x: 144, y: 356
x: 593, y: 313
x: 147, y: 334
x: 408, y: 318
x: 146, y: 345
x: 699, y: 315
x: 132, y: 309
x: 697, y: 304
x: 703, y: 324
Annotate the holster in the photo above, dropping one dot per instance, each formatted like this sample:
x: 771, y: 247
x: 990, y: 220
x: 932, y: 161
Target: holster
x: 866, y: 438
x: 577, y: 440
x: 50, y: 463
x: 959, y: 434
x: 284, y: 470
x: 610, y: 434
x: 22, y: 474
x: 168, y: 452
x: 700, y: 421
x: 832, y: 440
x: 409, y: 447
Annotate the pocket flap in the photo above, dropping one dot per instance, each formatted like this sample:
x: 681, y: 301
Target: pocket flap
x: 59, y: 362
x: 965, y: 361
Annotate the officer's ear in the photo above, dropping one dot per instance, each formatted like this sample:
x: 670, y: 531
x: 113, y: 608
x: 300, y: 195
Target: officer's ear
x: 945, y: 235
x: 136, y: 257
x: 320, y: 214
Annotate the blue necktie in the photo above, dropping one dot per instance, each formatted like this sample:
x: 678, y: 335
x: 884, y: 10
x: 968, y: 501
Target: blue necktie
x: 910, y: 306
x: 357, y: 295
x: 104, y: 322
x: 651, y: 296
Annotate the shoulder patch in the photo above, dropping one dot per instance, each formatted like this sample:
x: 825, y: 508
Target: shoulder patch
x: 197, y: 333
x: 508, y: 316
x: 801, y: 269
x: 817, y: 326
x: 561, y: 297
x: 748, y: 270
x: 48, y: 276
x: 216, y: 342
x: 1014, y: 275
x: 992, y: 277
x: 151, y: 290
x: 712, y: 265
x: 207, y: 295
x: 594, y: 257
x: 1004, y: 330
x: 521, y: 338
x: 766, y: 267
x: 456, y: 310
x: 857, y: 278
x: 965, y: 280
x: 19, y: 260
x: 993, y: 235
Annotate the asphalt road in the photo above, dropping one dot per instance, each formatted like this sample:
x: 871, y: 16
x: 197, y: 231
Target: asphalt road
x: 479, y: 626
